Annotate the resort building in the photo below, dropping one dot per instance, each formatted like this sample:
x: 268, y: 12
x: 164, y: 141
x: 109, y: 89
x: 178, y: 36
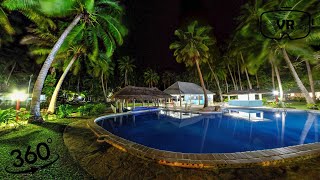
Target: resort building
x: 188, y: 93
x: 250, y: 98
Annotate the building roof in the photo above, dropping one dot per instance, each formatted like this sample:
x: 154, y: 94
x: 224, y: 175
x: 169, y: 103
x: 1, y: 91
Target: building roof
x: 141, y: 93
x: 185, y: 88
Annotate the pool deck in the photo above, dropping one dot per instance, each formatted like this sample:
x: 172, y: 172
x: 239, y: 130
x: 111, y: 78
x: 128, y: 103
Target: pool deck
x: 211, y: 160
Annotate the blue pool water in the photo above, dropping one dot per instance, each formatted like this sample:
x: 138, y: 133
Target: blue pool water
x: 232, y: 131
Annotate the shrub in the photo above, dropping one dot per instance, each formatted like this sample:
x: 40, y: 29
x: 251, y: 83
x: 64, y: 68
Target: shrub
x: 98, y: 109
x: 64, y: 110
x: 85, y: 109
x: 264, y: 101
x: 6, y: 115
x: 23, y: 114
x: 312, y: 106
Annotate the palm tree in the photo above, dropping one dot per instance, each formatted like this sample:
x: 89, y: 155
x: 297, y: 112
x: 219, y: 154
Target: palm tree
x: 126, y: 67
x: 167, y: 77
x: 297, y: 48
x: 103, y: 68
x: 103, y: 13
x: 151, y: 77
x: 193, y: 48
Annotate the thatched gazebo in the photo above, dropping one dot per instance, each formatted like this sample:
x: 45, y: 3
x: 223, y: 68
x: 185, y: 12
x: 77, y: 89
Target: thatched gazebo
x: 132, y: 93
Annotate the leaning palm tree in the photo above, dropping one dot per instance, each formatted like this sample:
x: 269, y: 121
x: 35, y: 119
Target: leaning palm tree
x: 287, y: 48
x: 151, y: 77
x: 126, y: 67
x: 193, y: 48
x: 103, y: 13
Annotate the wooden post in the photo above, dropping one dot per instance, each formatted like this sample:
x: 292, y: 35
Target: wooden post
x: 127, y: 103
x: 120, y: 107
x: 199, y: 99
x: 180, y: 100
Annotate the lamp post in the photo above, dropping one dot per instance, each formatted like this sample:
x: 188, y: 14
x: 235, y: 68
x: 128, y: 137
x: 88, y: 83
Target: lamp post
x: 18, y: 96
x: 276, y: 94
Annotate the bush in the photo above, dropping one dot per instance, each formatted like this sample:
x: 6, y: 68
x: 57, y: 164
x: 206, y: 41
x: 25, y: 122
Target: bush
x: 23, y: 114
x: 85, y: 109
x: 64, y: 110
x: 264, y: 101
x: 312, y: 106
x: 98, y: 109
x: 7, y: 115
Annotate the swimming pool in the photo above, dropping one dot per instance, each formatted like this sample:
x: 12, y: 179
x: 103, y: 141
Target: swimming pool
x: 234, y: 130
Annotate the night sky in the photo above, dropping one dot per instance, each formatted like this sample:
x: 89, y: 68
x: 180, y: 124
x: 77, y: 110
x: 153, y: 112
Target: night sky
x: 152, y: 24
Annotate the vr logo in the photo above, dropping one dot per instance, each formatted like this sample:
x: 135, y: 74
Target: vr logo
x: 289, y: 23
x: 278, y: 23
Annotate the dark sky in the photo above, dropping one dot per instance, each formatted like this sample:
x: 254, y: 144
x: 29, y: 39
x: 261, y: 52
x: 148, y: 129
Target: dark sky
x: 152, y: 24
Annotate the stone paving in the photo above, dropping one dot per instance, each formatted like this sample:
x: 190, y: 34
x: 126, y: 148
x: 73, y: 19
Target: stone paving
x: 104, y: 161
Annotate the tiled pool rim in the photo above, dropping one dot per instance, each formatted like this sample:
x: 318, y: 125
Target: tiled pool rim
x: 212, y: 160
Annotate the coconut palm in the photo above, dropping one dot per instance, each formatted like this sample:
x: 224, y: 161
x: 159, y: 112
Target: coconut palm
x: 126, y: 67
x: 193, y: 48
x: 101, y: 15
x: 151, y: 78
x: 287, y: 48
x: 102, y: 68
x: 167, y: 78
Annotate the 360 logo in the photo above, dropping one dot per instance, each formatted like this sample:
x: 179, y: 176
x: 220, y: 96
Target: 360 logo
x: 42, y: 153
x: 277, y: 24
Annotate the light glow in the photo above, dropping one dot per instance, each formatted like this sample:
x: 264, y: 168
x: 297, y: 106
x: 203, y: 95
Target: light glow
x: 275, y: 92
x: 18, y: 95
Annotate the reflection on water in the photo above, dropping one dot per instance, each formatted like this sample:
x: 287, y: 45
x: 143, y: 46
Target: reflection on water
x: 232, y: 131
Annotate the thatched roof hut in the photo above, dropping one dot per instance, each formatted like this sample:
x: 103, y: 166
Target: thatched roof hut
x: 140, y: 93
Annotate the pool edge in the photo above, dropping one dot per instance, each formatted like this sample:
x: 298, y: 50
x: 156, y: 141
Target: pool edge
x: 245, y: 159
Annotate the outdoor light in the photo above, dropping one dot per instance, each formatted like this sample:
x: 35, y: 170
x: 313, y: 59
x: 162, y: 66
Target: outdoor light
x: 275, y: 92
x: 18, y: 96
x: 278, y: 115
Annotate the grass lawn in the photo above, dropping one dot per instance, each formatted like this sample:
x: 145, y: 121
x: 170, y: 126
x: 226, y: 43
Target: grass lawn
x: 295, y: 105
x: 32, y: 135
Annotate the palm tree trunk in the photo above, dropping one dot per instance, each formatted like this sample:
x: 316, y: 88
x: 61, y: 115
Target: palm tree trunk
x: 125, y: 78
x: 35, y: 102
x: 53, y: 101
x: 217, y: 82
x: 257, y: 80
x: 276, y: 70
x: 202, y: 84
x: 272, y: 75
x: 311, y: 80
x: 233, y: 81
x: 246, y: 71
x: 103, y: 87
x: 303, y: 89
x: 14, y: 65
x: 227, y: 86
x: 239, y: 75
x: 235, y: 78
x: 78, y: 85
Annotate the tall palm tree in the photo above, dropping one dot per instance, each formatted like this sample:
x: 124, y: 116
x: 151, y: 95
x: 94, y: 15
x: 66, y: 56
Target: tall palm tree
x: 297, y: 48
x: 193, y: 48
x: 167, y: 78
x: 102, y: 13
x: 126, y: 67
x: 102, y: 68
x: 151, y: 77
